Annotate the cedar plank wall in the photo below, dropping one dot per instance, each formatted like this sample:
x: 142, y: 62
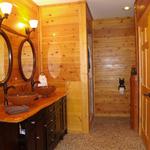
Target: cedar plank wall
x: 114, y: 54
x: 22, y: 11
x: 64, y: 57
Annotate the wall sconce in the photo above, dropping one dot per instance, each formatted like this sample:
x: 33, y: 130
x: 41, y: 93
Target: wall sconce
x: 6, y: 9
x: 33, y: 25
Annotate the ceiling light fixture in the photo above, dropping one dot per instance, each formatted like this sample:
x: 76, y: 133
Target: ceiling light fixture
x: 127, y: 8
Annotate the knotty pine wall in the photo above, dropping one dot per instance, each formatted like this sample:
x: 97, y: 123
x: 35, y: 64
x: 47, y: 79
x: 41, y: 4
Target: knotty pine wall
x: 64, y: 57
x: 114, y: 54
x: 22, y: 11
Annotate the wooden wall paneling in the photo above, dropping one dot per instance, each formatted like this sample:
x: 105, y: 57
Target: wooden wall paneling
x: 114, y: 54
x: 84, y: 67
x: 22, y: 11
x: 60, y: 41
x: 64, y: 52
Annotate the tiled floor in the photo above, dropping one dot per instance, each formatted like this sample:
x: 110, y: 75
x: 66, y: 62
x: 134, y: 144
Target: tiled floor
x: 107, y: 134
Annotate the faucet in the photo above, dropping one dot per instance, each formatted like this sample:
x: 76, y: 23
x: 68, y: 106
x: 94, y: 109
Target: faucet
x: 6, y: 88
x: 33, y: 84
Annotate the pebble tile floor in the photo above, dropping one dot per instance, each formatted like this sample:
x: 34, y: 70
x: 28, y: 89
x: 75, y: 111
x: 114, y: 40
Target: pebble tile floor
x: 107, y: 134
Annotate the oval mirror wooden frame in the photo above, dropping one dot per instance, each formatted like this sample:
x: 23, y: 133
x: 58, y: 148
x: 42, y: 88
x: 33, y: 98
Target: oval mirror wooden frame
x: 34, y: 60
x: 10, y: 57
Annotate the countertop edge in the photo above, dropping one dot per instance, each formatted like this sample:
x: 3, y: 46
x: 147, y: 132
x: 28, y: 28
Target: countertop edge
x: 35, y: 108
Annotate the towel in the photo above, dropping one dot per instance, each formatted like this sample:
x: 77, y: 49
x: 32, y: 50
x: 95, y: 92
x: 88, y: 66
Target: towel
x: 16, y: 109
x: 43, y: 80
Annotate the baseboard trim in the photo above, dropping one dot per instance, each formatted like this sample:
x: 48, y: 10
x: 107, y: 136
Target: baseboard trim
x: 74, y: 131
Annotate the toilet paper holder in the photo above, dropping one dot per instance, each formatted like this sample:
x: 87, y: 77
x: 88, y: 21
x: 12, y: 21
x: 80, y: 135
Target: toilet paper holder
x: 121, y: 86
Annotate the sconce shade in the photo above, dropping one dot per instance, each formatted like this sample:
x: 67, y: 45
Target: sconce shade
x: 33, y: 23
x: 6, y: 7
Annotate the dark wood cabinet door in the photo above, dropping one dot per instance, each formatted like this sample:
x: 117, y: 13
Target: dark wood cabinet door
x: 35, y: 132
x: 64, y: 116
x: 58, y: 113
x: 9, y: 136
x: 31, y: 135
x: 50, y: 136
x: 39, y: 139
x: 49, y: 114
x: 41, y: 132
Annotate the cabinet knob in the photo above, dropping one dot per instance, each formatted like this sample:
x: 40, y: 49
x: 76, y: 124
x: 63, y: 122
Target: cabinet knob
x: 37, y: 137
x: 51, y: 120
x: 52, y: 130
x: 45, y: 125
x: 52, y: 140
x: 33, y: 122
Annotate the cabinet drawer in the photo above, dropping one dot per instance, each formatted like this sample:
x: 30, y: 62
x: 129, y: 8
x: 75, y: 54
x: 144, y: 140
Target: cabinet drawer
x: 51, y: 129
x: 51, y: 137
x: 32, y: 121
x: 50, y: 118
x: 58, y: 103
x: 51, y: 141
x: 51, y: 108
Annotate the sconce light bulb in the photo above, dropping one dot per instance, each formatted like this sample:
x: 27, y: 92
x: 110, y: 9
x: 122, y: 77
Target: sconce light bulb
x: 21, y: 25
x: 54, y: 34
x: 33, y: 23
x: 6, y: 8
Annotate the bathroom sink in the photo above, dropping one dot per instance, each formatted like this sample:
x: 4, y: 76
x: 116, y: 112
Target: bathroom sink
x: 45, y: 91
x: 22, y: 98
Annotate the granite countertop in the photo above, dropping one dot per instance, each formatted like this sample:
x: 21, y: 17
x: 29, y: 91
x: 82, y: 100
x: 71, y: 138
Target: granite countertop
x: 34, y: 108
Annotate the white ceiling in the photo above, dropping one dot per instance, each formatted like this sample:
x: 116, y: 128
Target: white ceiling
x: 110, y: 8
x: 47, y: 2
x: 100, y: 8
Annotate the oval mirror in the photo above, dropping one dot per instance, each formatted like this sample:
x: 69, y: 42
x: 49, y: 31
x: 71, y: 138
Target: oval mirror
x: 6, y: 59
x: 27, y: 60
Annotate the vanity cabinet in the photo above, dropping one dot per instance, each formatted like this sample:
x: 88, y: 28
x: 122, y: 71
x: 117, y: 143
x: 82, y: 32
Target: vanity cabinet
x: 9, y: 136
x: 31, y: 135
x: 42, y: 131
x: 55, y: 123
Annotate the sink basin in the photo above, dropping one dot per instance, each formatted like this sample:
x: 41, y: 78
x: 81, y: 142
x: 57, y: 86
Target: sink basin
x: 22, y: 98
x: 45, y: 91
